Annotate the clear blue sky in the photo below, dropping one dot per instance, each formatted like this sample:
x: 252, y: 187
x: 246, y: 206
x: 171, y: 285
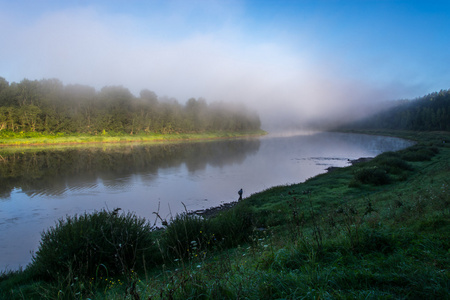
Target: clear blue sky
x: 307, y: 56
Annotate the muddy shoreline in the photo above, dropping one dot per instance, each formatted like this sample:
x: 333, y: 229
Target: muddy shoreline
x: 213, y: 211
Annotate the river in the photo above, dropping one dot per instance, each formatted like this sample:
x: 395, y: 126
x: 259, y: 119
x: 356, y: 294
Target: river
x: 38, y: 186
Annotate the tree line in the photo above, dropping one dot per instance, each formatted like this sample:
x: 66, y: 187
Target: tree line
x: 427, y: 113
x: 50, y: 106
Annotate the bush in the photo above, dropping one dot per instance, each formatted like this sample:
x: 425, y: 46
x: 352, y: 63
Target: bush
x: 234, y: 226
x: 372, y: 175
x: 184, y: 233
x: 419, y: 153
x: 93, y: 244
x: 393, y: 165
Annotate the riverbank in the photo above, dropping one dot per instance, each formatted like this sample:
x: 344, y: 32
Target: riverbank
x: 214, y: 211
x: 37, y: 139
x: 376, y: 229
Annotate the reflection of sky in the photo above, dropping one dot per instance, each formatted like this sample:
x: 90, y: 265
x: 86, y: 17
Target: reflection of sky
x: 282, y: 160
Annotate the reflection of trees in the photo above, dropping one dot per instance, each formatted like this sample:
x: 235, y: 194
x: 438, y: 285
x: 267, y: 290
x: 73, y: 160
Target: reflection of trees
x: 52, y: 172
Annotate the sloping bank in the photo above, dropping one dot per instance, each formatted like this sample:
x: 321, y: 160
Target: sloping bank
x: 377, y: 229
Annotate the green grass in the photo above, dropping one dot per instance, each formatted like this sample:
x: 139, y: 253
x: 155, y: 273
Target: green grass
x: 335, y: 236
x: 35, y: 138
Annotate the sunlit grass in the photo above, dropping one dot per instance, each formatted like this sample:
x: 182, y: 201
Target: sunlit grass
x: 27, y: 138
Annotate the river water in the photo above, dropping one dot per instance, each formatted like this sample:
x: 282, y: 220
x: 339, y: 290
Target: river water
x: 38, y: 186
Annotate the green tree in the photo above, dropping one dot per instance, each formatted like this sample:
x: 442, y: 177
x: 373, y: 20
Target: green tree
x: 47, y: 105
x: 29, y: 117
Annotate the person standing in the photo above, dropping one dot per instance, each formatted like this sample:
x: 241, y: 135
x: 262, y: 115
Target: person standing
x: 240, y: 194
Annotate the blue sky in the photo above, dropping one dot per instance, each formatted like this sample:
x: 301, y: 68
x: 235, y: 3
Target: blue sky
x: 305, y: 59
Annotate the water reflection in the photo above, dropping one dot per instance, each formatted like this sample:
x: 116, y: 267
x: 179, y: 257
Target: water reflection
x: 53, y: 172
x: 39, y: 186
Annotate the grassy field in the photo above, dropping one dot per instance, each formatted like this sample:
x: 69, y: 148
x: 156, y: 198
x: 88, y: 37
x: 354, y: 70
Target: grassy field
x: 34, y: 138
x: 375, y: 230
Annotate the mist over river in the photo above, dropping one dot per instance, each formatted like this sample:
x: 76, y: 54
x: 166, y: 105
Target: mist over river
x: 38, y: 186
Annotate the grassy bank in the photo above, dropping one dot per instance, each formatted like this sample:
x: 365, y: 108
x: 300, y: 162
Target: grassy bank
x: 378, y: 229
x: 35, y: 138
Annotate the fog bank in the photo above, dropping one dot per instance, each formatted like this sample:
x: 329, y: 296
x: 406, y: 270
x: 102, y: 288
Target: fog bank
x: 289, y: 83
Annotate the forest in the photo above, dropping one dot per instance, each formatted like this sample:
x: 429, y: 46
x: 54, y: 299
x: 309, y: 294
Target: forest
x: 427, y: 113
x: 49, y: 106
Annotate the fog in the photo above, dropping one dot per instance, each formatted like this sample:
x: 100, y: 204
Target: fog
x: 289, y: 86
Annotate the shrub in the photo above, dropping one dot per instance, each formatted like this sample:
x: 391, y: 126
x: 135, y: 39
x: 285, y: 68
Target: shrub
x: 87, y: 244
x: 417, y: 156
x: 419, y: 153
x: 372, y: 175
x: 393, y: 165
x: 388, y: 154
x: 234, y: 226
x: 184, y: 233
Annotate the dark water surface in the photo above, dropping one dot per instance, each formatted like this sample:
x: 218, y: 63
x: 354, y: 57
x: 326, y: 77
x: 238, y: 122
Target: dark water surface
x: 39, y: 186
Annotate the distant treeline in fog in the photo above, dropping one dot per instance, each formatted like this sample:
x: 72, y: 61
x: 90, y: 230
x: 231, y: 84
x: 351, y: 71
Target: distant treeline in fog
x: 428, y: 113
x: 49, y: 106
